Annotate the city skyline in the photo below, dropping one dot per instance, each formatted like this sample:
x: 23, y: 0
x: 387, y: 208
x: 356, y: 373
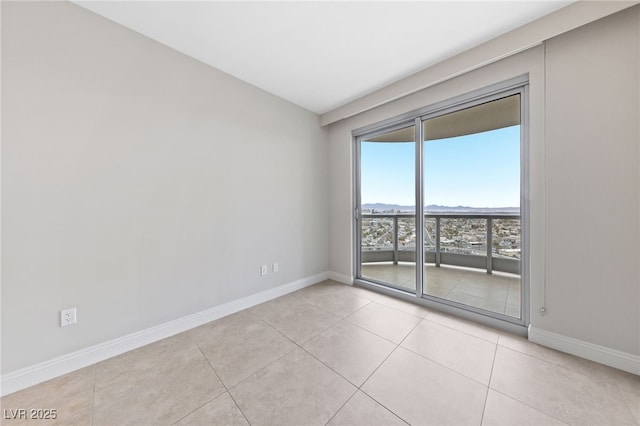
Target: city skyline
x: 481, y: 170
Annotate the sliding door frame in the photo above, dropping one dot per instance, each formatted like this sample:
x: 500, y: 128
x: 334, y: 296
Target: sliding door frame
x: 357, y: 228
x: 518, y: 85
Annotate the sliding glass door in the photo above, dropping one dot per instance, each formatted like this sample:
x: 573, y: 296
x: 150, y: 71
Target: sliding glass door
x: 471, y: 184
x: 442, y: 219
x: 387, y: 225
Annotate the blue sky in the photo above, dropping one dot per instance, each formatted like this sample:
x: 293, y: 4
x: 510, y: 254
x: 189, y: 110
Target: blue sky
x: 479, y: 170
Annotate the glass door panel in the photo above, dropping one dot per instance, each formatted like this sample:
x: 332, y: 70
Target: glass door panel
x: 387, y: 221
x: 471, y: 187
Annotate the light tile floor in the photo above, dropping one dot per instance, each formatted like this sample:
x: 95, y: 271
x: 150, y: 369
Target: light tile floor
x: 333, y: 354
x: 497, y: 292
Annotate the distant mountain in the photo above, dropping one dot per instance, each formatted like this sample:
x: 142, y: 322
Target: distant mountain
x: 382, y: 206
x: 464, y: 209
x: 434, y: 208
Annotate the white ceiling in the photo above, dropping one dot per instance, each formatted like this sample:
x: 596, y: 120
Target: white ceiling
x: 320, y: 54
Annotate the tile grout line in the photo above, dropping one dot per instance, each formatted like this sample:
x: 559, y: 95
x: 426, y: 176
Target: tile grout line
x: 530, y: 406
x: 323, y: 363
x: 385, y: 407
x: 464, y: 332
x: 626, y: 400
x: 372, y: 332
x: 431, y: 311
x: 378, y: 367
x: 281, y: 356
x: 566, y: 367
x: 299, y: 346
x: 562, y: 367
x: 260, y: 369
x: 238, y: 406
x: 347, y: 316
x: 333, y: 313
x: 93, y: 395
x: 452, y: 288
x: 214, y: 372
x: 410, y: 331
x: 472, y: 278
x: 405, y: 312
x: 309, y: 303
x: 223, y: 385
x: 357, y: 387
x: 342, y: 406
x: 486, y: 396
x: 369, y: 377
x: 338, y: 373
x: 445, y: 366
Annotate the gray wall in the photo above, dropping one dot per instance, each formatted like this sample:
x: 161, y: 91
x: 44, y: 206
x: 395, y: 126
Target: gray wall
x: 140, y: 185
x: 593, y: 183
x: 584, y: 190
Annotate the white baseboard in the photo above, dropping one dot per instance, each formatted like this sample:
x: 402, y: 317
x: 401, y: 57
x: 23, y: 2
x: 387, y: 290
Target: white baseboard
x: 38, y: 373
x: 601, y: 354
x: 344, y: 279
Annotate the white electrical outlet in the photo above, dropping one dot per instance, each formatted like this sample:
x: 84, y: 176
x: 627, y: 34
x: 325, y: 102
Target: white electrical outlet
x: 67, y: 317
x: 263, y: 270
x: 276, y: 267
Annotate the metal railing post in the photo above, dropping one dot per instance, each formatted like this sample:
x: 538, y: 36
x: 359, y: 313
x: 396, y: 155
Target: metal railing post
x: 489, y: 245
x: 395, y: 240
x: 437, y: 242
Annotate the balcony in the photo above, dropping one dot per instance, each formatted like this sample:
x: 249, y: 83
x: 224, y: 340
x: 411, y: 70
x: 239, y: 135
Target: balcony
x: 472, y: 259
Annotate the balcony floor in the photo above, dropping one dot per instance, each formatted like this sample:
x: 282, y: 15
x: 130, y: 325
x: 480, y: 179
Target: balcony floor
x: 498, y: 292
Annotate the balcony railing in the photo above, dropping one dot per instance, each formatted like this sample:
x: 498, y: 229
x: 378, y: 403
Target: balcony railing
x: 484, y: 241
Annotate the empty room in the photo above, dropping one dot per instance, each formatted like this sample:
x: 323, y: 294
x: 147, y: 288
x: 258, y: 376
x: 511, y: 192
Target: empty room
x: 320, y: 213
